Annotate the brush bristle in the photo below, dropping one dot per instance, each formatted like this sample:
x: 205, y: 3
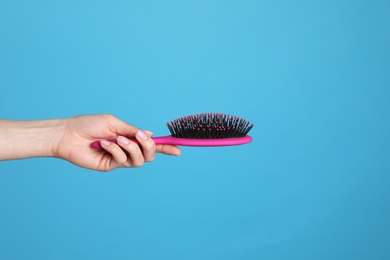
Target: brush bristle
x: 209, y: 126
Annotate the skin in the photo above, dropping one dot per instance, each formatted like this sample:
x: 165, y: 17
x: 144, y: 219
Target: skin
x: 70, y: 139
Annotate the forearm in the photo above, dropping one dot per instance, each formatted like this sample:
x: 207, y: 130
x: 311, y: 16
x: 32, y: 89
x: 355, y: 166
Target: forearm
x: 26, y: 139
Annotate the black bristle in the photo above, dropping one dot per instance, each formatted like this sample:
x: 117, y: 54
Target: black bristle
x: 209, y: 126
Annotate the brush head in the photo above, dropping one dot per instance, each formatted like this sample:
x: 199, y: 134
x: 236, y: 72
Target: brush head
x: 209, y: 126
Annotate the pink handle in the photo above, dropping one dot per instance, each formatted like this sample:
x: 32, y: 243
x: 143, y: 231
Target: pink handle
x: 190, y: 142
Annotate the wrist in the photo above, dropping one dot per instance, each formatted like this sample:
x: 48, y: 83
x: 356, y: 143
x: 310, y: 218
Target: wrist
x: 55, y: 130
x: 26, y: 139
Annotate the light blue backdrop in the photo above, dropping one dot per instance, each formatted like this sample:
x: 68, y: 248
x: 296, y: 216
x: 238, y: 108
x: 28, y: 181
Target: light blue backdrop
x: 313, y: 76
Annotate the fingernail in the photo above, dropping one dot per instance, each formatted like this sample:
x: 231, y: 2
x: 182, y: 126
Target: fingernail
x: 141, y: 135
x: 105, y: 142
x: 123, y: 140
x: 148, y: 132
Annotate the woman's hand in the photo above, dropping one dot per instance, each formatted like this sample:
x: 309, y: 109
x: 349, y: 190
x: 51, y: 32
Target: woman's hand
x: 81, y: 131
x: 71, y: 139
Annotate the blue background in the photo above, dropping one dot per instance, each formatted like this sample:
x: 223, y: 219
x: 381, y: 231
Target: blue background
x: 313, y: 76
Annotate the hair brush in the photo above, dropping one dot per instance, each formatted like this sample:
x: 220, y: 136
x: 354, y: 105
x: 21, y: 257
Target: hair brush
x: 207, y: 129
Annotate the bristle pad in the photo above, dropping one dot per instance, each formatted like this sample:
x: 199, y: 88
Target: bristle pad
x: 209, y: 126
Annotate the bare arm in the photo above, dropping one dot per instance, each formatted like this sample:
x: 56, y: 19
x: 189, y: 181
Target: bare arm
x: 70, y: 139
x: 26, y: 139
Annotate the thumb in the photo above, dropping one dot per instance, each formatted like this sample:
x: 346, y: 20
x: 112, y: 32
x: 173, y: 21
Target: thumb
x: 149, y: 133
x: 122, y: 128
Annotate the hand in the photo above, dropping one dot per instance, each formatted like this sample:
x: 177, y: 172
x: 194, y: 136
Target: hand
x: 79, y: 132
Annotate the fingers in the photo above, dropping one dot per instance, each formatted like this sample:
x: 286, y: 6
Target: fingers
x: 128, y: 153
x: 147, y: 144
x: 138, y: 154
x: 165, y: 149
x: 136, y: 158
x: 168, y: 149
x: 116, y: 152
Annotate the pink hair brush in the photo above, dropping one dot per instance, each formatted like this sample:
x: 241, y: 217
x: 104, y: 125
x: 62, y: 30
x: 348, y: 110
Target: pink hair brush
x: 207, y: 129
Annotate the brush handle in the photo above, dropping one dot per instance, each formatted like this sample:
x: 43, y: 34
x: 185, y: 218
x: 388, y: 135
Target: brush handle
x: 190, y: 142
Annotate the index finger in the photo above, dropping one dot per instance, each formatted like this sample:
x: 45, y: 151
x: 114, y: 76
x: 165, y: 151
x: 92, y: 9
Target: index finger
x: 168, y: 149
